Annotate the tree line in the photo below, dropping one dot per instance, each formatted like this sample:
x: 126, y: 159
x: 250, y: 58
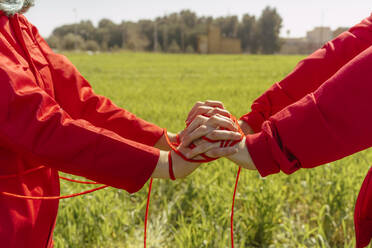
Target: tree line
x: 176, y: 32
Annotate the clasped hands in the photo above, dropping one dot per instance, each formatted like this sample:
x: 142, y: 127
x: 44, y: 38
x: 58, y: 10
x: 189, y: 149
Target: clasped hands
x: 211, y: 120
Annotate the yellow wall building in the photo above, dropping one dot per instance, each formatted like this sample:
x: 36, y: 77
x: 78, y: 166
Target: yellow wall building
x: 215, y: 43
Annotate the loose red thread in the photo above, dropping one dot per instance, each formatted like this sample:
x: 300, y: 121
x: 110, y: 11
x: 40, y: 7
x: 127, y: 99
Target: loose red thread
x: 49, y: 197
x: 174, y: 147
x: 232, y: 207
x: 147, y: 212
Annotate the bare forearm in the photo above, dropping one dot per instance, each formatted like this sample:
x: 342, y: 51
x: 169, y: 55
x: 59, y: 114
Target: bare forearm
x: 161, y: 169
x: 245, y: 127
x: 181, y: 168
x: 242, y: 157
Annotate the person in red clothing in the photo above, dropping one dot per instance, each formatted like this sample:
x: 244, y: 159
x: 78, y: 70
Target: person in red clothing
x: 319, y: 113
x: 51, y: 120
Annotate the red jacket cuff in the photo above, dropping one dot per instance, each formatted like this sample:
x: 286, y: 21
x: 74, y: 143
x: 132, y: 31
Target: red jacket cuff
x: 144, y: 174
x: 260, y: 151
x: 154, y: 133
x: 254, y: 120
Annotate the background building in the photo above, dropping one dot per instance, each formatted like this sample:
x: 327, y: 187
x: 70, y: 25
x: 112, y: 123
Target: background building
x: 213, y: 42
x: 319, y: 35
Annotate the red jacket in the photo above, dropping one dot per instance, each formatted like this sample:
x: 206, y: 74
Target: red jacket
x: 319, y: 113
x: 50, y: 116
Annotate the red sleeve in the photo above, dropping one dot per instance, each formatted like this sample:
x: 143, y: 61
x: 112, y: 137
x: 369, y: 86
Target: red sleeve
x: 310, y: 73
x: 76, y: 97
x: 333, y: 122
x: 34, y: 125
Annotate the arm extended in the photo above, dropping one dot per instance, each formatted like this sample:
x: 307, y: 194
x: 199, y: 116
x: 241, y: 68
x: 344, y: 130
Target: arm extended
x: 310, y: 73
x: 75, y: 95
x: 33, y: 124
x: 333, y: 122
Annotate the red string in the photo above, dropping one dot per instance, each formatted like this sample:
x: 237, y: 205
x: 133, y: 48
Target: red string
x: 43, y: 167
x: 179, y: 153
x: 77, y: 181
x: 48, y: 197
x: 147, y: 212
x: 171, y: 172
x: 172, y: 146
x: 226, y: 143
x: 23, y: 173
x: 232, y: 207
x: 51, y: 197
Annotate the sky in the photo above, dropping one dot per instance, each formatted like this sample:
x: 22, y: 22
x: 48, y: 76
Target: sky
x: 298, y: 16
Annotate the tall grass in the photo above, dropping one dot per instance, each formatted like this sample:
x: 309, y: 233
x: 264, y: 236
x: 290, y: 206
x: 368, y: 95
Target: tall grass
x: 311, y: 208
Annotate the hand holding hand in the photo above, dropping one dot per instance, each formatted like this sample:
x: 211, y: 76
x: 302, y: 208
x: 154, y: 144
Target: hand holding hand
x: 208, y: 133
x: 201, y: 127
x: 200, y: 112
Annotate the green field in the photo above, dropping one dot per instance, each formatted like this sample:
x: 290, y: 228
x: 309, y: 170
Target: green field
x: 311, y: 208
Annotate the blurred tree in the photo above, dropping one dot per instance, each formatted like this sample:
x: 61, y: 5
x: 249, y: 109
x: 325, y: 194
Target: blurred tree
x: 54, y: 42
x: 269, y: 25
x: 174, y: 47
x: 189, y: 49
x: 182, y: 28
x: 72, y: 42
x: 188, y: 18
x: 247, y: 33
x: 146, y: 29
x: 91, y: 45
x: 228, y: 25
x: 85, y: 29
x: 109, y: 34
x: 134, y: 39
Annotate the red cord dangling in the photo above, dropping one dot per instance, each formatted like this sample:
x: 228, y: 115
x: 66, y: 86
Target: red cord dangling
x: 173, y: 146
x: 232, y: 208
x: 8, y: 194
x: 206, y: 159
x: 147, y: 213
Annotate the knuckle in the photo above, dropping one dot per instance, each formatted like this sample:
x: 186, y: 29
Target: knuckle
x: 201, y: 118
x: 203, y: 128
x: 214, y: 118
x: 231, y: 135
x: 218, y: 110
x: 205, y: 107
x: 198, y: 118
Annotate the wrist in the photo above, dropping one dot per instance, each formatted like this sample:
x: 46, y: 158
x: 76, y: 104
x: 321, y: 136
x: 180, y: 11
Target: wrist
x: 182, y: 168
x: 162, y: 142
x: 242, y: 157
x: 161, y: 169
x: 245, y: 127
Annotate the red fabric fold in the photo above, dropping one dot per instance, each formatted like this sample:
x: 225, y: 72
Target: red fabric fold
x: 363, y: 213
x: 333, y: 122
x: 50, y: 116
x: 311, y: 73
